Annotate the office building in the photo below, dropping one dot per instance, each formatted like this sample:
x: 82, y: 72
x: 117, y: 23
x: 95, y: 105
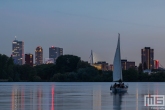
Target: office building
x: 147, y: 58
x: 18, y: 52
x: 29, y: 59
x: 55, y: 52
x: 39, y: 55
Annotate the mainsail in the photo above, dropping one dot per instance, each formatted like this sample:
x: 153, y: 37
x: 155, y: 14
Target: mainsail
x: 117, y: 70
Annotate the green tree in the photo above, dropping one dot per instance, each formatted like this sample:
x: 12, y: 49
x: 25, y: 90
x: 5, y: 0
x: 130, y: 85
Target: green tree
x: 36, y: 79
x: 67, y: 63
x: 59, y: 77
x: 24, y: 71
x: 143, y: 77
x: 157, y: 77
x: 107, y: 76
x: 45, y: 71
x: 6, y: 65
x: 130, y: 75
x: 82, y: 64
x: 145, y: 66
x: 140, y: 67
x: 87, y: 74
x: 72, y: 77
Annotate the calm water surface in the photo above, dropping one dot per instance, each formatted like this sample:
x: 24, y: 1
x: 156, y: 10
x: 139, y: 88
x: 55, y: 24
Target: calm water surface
x: 74, y: 96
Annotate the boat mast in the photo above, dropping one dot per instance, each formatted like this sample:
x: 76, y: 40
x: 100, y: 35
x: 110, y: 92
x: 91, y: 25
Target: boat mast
x: 117, y: 72
x: 120, y: 58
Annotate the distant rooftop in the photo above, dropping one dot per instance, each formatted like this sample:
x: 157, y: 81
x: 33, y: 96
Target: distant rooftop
x: 147, y: 47
x: 101, y: 62
x: 17, y: 41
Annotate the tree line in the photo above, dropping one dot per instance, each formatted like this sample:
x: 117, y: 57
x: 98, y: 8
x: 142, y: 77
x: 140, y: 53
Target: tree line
x: 68, y: 68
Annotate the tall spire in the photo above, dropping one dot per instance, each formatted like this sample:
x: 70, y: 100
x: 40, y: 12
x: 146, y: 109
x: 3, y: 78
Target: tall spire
x: 91, y: 57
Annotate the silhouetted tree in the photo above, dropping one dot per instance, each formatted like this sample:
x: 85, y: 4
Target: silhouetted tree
x: 6, y: 66
x: 130, y: 75
x: 140, y: 68
x: 67, y: 63
x: 145, y: 66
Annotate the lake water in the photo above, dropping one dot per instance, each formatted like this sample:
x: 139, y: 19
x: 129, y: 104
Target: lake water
x: 75, y: 96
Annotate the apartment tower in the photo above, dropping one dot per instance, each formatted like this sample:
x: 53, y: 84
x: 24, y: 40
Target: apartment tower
x: 147, y: 58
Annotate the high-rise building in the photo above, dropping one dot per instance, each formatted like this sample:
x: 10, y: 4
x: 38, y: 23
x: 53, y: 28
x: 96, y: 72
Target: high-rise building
x: 29, y: 59
x: 18, y: 52
x: 147, y: 57
x: 55, y: 52
x: 39, y: 55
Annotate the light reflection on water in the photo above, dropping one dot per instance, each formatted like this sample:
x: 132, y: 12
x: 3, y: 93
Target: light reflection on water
x: 74, y: 96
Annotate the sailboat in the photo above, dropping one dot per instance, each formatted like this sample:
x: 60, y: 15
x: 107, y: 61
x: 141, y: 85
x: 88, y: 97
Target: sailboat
x: 117, y: 72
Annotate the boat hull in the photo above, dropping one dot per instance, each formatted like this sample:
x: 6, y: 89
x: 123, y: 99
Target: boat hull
x: 118, y: 90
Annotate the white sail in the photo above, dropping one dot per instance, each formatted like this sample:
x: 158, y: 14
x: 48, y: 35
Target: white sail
x: 117, y: 71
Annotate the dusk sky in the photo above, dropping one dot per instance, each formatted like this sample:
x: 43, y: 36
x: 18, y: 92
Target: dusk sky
x: 78, y: 26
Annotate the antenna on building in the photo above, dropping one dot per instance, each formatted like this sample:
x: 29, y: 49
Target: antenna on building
x: 15, y: 37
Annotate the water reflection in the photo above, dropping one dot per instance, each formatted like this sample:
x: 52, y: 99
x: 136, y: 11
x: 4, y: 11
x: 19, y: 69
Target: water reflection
x: 32, y: 98
x: 17, y: 99
x: 74, y: 96
x: 39, y: 99
x: 52, y: 103
x: 117, y: 100
x: 137, y: 95
x: 97, y: 98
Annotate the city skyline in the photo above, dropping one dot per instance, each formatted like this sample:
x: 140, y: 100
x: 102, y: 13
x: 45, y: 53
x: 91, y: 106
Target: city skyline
x: 81, y: 26
x: 147, y: 56
x: 94, y: 57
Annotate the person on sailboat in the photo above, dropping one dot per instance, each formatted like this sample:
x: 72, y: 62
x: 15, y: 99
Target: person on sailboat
x: 114, y: 85
x: 120, y: 81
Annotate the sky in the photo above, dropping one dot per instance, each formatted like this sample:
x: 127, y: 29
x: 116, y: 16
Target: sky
x: 78, y: 26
